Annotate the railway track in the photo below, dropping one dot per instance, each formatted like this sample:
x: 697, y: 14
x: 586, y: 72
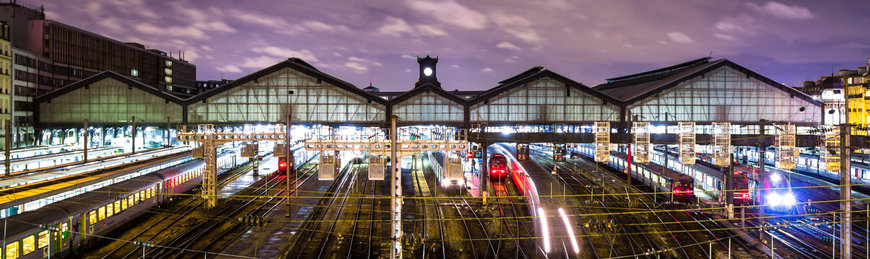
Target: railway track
x: 432, y: 243
x: 630, y: 242
x: 201, y: 236
x: 479, y: 240
x: 167, y: 218
x: 699, y: 232
x: 313, y: 237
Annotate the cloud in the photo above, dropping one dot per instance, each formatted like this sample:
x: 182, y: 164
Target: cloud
x: 511, y: 59
x: 360, y: 65
x: 287, y: 53
x: 507, y: 45
x: 174, y: 31
x: 229, y: 69
x: 406, y: 56
x: 516, y: 25
x: 323, y: 27
x: 259, y: 19
x: 111, y: 23
x: 794, y: 12
x: 486, y: 69
x: 450, y: 12
x: 356, y: 66
x: 394, y: 26
x: 260, y: 62
x: 430, y: 30
x: 680, y: 37
x: 190, y: 55
x: 214, y: 26
x: 724, y: 36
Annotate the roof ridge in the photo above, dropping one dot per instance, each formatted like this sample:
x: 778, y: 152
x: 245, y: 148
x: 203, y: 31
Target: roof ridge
x: 659, y: 71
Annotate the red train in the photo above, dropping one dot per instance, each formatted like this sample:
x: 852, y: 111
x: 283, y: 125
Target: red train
x: 498, y: 167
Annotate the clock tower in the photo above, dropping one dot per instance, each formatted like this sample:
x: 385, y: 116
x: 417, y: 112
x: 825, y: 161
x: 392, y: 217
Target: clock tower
x: 427, y: 71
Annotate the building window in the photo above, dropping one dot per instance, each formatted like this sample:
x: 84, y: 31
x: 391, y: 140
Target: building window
x: 168, y: 63
x: 134, y: 72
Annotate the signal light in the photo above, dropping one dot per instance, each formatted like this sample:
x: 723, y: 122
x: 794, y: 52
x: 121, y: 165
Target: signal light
x: 282, y: 164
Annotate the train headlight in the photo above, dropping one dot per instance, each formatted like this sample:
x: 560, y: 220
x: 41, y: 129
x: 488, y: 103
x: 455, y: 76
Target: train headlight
x: 788, y: 199
x: 775, y: 178
x: 773, y: 199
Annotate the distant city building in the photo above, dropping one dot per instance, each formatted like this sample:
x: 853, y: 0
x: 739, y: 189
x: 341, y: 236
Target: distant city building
x: 5, y: 81
x: 833, y: 90
x: 203, y: 86
x: 48, y: 55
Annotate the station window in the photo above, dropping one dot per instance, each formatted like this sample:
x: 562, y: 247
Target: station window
x: 29, y: 245
x: 43, y: 239
x: 117, y: 207
x: 102, y: 213
x: 92, y: 218
x: 109, y: 210
x: 12, y: 250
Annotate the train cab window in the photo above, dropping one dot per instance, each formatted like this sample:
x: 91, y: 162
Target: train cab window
x: 117, y: 207
x: 102, y: 213
x: 109, y: 210
x: 12, y: 250
x: 43, y: 239
x: 92, y: 217
x: 29, y: 244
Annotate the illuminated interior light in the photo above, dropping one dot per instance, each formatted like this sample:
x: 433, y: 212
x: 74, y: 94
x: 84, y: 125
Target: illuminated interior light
x: 570, y: 231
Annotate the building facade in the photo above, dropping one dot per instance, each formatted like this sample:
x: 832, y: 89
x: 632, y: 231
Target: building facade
x: 47, y: 55
x: 5, y: 81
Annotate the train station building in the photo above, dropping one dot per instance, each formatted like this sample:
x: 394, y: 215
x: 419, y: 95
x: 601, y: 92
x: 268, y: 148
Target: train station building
x: 533, y: 102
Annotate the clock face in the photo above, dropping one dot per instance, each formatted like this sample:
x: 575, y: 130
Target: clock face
x: 427, y: 71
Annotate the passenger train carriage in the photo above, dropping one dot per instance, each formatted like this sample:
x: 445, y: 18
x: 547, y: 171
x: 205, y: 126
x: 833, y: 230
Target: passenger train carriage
x: 71, y: 223
x: 680, y: 187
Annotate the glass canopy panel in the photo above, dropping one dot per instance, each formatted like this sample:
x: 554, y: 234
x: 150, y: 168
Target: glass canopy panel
x: 109, y: 101
x: 544, y: 101
x: 726, y: 94
x: 428, y: 107
x: 271, y: 97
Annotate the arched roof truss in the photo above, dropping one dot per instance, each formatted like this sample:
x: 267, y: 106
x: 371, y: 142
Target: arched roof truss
x: 108, y: 99
x: 309, y: 95
x: 543, y: 98
x: 429, y: 105
x: 727, y: 93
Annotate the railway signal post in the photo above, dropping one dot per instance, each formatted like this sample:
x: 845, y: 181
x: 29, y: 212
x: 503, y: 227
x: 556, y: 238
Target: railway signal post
x: 210, y: 139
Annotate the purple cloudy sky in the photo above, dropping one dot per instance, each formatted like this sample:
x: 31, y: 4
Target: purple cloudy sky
x: 482, y: 42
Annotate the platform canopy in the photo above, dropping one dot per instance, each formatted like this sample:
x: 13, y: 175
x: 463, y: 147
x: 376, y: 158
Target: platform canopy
x: 711, y: 91
x: 429, y: 104
x: 292, y: 86
x: 108, y: 99
x: 540, y: 97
